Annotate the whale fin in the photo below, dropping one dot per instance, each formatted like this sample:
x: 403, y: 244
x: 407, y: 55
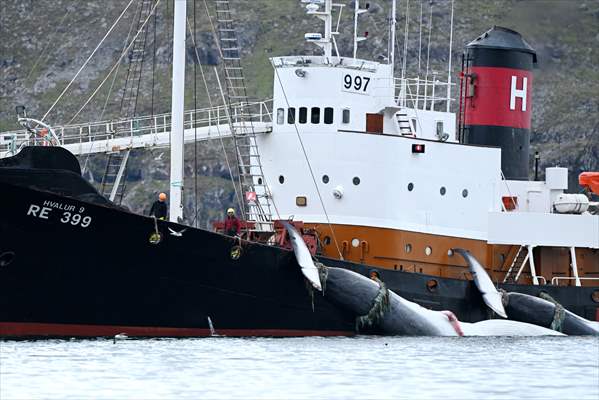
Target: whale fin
x: 491, y: 296
x: 303, y: 256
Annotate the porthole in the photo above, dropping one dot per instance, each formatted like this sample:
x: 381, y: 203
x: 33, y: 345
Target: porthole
x: 465, y: 193
x: 443, y: 191
x: 595, y: 296
x: 325, y: 179
x: 355, y: 242
x: 428, y: 250
x: 281, y: 179
x: 327, y: 240
x: 356, y: 180
x: 408, y: 248
x: 259, y: 181
x: 410, y: 186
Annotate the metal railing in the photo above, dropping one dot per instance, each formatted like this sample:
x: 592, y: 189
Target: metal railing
x: 423, y: 94
x: 308, y: 61
x: 555, y: 280
x: 11, y: 142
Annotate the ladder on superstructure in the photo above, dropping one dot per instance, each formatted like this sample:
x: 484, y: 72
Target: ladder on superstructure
x: 515, y: 269
x: 251, y: 174
x: 114, y: 179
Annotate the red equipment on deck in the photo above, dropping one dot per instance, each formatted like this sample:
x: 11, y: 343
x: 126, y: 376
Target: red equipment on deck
x: 590, y: 181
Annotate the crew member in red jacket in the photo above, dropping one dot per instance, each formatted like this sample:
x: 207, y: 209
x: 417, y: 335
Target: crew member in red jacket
x: 232, y: 224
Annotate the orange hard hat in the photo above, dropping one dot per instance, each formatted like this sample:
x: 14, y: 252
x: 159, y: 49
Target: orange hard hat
x: 162, y: 196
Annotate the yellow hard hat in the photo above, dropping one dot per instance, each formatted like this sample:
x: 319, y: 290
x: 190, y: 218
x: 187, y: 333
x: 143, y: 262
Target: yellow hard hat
x: 162, y: 196
x: 230, y: 211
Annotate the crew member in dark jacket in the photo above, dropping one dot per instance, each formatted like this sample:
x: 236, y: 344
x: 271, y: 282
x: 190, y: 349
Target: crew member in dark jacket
x: 159, y: 207
x: 232, y: 224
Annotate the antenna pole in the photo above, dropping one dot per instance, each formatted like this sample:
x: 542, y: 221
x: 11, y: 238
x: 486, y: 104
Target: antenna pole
x: 356, y: 8
x: 328, y: 28
x: 393, y: 22
x: 178, y: 100
x: 449, y: 66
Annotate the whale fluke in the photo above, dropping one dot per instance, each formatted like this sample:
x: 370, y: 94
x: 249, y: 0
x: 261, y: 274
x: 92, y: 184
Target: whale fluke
x: 303, y: 256
x: 491, y: 296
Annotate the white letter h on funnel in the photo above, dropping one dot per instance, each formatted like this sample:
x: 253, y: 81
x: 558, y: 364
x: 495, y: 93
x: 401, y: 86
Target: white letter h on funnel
x: 515, y: 92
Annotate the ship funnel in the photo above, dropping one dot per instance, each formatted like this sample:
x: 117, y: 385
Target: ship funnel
x: 496, y: 97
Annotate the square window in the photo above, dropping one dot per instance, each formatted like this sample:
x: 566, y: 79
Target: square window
x: 345, y: 117
x: 280, y: 116
x: 315, y: 116
x: 291, y: 115
x: 328, y: 115
x: 303, y: 115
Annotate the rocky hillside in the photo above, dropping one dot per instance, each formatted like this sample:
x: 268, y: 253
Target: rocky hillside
x: 45, y: 42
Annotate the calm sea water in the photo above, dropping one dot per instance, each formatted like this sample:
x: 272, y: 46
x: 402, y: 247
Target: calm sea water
x: 303, y: 368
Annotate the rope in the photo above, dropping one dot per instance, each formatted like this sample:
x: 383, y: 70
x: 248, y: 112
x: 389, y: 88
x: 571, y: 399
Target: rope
x: 309, y: 167
x: 559, y: 314
x: 87, y: 61
x: 114, y: 66
x: 379, y: 307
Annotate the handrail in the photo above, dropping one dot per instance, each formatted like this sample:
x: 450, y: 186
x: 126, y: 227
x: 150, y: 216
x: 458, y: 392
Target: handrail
x: 555, y: 280
x: 11, y: 142
x: 416, y: 92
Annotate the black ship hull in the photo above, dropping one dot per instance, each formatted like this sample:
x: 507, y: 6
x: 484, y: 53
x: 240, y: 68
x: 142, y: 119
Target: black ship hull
x: 78, y: 268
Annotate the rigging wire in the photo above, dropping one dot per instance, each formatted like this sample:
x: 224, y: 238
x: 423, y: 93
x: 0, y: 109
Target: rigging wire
x: 114, y: 66
x: 195, y: 125
x: 267, y: 190
x: 428, y: 54
x: 405, y: 45
x: 225, y: 104
x: 115, y: 75
x: 309, y: 165
x: 141, y: 66
x: 153, y: 66
x: 222, y: 143
x: 87, y: 61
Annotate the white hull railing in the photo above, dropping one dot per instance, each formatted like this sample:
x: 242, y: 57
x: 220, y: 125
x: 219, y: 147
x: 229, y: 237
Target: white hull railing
x: 423, y: 94
x: 12, y: 142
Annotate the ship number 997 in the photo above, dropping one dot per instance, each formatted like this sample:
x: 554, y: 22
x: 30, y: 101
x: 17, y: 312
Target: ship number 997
x: 358, y: 83
x: 75, y: 219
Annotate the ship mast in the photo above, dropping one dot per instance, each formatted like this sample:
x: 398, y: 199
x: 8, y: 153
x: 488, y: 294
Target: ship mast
x: 177, y: 104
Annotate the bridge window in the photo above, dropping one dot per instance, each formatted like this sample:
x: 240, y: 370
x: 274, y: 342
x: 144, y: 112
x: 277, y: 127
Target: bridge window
x: 280, y: 116
x: 291, y: 115
x: 303, y: 115
x: 328, y: 115
x: 315, y: 115
x: 345, y: 118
